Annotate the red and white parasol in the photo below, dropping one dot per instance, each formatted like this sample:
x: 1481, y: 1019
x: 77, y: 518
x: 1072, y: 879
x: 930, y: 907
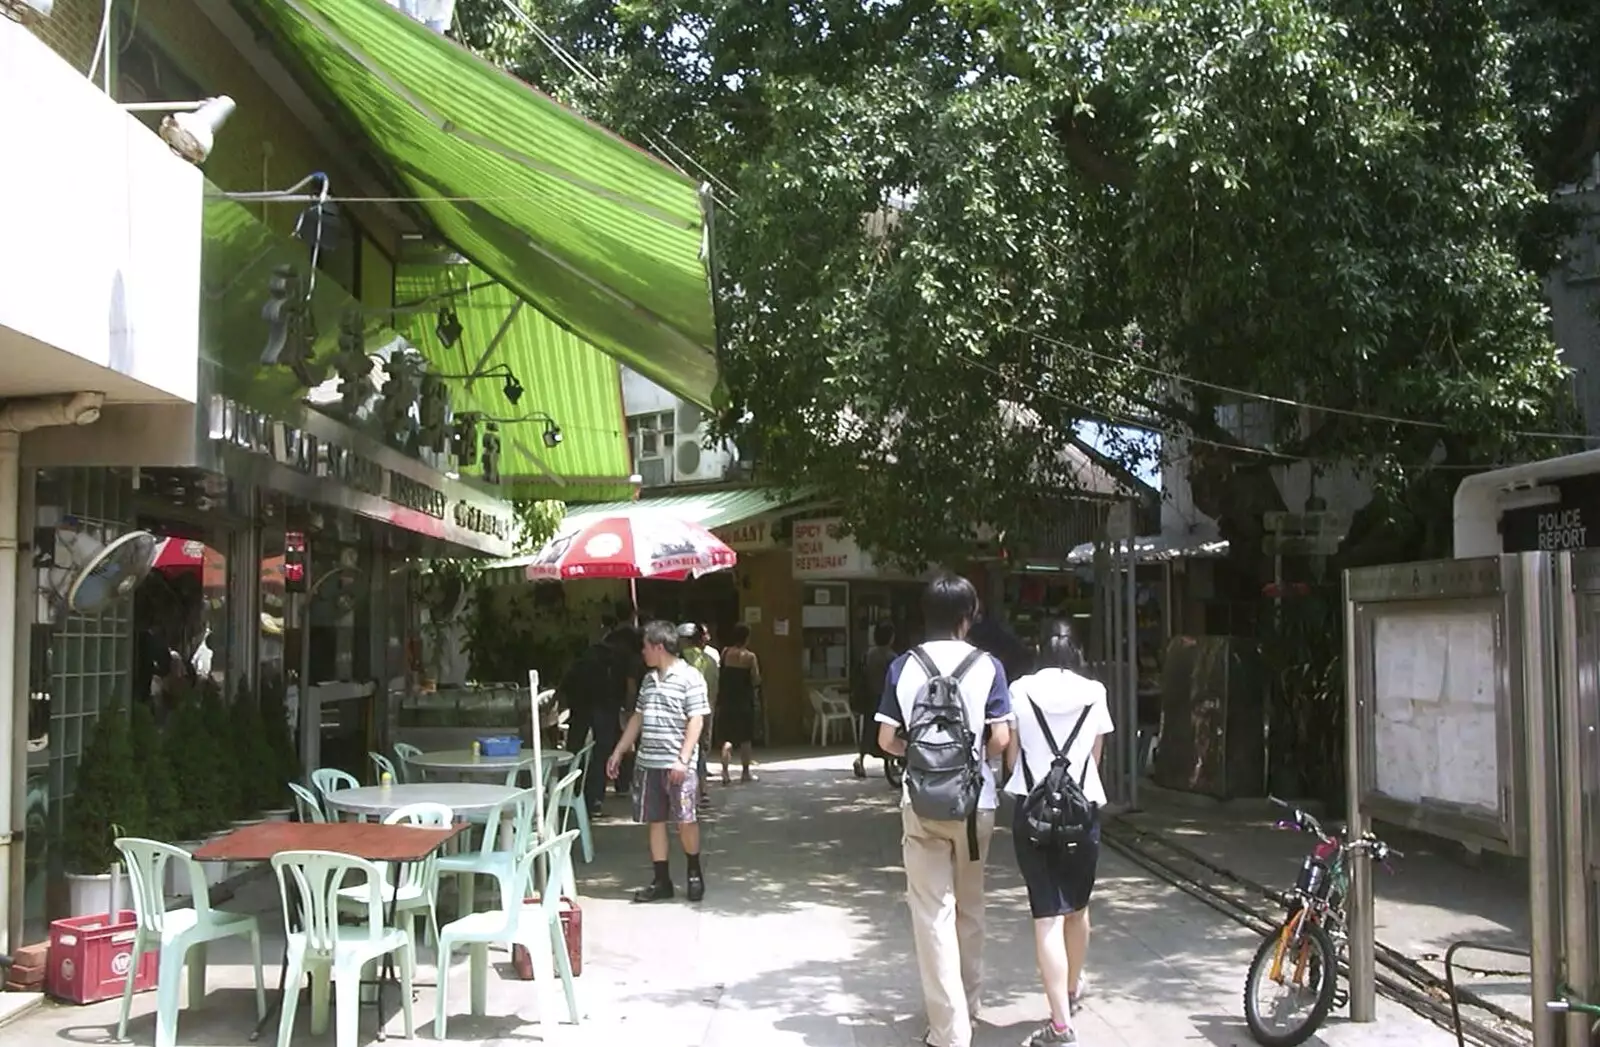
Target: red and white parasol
x: 643, y: 546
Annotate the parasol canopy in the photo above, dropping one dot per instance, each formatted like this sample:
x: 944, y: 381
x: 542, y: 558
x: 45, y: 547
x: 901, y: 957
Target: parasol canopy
x: 634, y: 546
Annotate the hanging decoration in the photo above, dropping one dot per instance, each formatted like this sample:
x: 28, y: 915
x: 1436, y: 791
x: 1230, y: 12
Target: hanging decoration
x: 351, y: 363
x: 491, y: 453
x: 291, y: 328
x: 433, y: 412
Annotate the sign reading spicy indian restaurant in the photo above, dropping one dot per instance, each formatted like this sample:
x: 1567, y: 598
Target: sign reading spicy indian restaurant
x: 820, y: 548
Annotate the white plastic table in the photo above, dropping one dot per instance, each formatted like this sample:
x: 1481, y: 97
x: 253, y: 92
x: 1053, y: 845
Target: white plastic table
x: 462, y: 762
x: 470, y: 800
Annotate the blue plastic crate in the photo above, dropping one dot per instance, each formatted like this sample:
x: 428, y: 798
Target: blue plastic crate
x: 500, y: 745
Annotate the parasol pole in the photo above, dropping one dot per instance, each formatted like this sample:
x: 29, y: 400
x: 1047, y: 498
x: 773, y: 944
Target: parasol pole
x: 538, y: 756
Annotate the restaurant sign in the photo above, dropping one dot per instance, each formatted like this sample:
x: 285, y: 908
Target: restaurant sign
x: 319, y: 456
x: 823, y: 550
x: 747, y: 535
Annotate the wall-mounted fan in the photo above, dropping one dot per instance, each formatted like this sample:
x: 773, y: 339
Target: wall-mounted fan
x: 86, y: 574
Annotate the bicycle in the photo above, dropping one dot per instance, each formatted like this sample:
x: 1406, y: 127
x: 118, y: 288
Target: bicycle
x: 1302, y: 955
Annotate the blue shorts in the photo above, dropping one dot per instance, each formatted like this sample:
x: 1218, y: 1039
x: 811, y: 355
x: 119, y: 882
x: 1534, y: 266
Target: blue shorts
x: 1059, y: 882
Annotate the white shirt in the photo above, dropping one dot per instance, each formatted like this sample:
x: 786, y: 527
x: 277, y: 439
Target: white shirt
x: 988, y: 700
x: 1062, y: 696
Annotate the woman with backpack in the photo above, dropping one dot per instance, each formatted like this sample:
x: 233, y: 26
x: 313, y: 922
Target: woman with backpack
x: 1056, y: 826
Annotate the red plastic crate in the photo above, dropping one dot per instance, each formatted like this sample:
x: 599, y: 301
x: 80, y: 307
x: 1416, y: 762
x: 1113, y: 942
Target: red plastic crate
x: 571, y: 930
x: 90, y: 956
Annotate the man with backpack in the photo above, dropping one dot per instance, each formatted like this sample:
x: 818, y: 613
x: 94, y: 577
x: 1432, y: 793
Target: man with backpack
x: 946, y: 706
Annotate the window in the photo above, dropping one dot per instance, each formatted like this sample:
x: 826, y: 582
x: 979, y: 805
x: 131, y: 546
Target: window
x: 650, y: 436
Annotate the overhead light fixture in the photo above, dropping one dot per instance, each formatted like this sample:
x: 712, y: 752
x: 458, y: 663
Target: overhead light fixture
x: 552, y: 433
x: 191, y: 128
x: 513, y: 388
x: 448, y: 328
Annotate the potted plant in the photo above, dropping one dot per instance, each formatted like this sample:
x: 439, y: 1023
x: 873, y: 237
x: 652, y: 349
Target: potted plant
x: 261, y: 792
x: 108, y: 795
x: 161, y: 802
x: 284, y: 766
x: 192, y: 762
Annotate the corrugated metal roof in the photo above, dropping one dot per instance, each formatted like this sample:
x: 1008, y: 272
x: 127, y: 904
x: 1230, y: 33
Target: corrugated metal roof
x: 590, y: 230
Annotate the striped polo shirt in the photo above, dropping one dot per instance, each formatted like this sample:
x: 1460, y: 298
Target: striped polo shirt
x: 667, y: 699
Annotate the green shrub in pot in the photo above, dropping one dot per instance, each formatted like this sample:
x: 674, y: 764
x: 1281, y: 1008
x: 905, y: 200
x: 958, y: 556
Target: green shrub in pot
x: 162, y: 805
x: 280, y: 740
x: 191, y: 753
x: 108, y: 797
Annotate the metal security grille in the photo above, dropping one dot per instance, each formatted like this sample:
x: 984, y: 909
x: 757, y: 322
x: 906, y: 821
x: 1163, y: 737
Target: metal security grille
x: 91, y: 656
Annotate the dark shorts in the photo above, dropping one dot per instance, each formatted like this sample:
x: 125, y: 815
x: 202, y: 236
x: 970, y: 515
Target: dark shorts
x: 656, y: 799
x: 1059, y: 883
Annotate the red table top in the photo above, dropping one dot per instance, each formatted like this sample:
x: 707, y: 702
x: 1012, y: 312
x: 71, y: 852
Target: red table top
x: 370, y: 840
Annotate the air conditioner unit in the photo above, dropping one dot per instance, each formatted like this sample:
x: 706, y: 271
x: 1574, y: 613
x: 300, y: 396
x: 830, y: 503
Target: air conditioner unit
x: 654, y: 472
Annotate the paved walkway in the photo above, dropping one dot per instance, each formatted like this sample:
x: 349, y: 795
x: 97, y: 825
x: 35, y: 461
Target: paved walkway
x: 803, y: 939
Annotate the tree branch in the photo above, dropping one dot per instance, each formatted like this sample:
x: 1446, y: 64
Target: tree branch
x: 1088, y: 157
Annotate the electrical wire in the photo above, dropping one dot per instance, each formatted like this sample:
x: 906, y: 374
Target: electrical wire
x: 575, y: 65
x: 1148, y: 426
x: 1372, y: 416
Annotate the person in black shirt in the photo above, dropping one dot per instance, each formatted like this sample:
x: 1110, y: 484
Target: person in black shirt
x: 595, y: 689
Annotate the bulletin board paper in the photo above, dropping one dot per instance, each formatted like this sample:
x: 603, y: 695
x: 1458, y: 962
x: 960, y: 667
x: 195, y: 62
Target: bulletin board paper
x: 1435, y: 725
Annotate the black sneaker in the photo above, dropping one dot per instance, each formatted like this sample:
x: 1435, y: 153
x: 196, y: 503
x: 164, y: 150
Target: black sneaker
x: 697, y: 887
x: 656, y: 892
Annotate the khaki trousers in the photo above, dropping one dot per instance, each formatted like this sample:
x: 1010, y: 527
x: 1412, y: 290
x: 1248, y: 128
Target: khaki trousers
x: 945, y: 892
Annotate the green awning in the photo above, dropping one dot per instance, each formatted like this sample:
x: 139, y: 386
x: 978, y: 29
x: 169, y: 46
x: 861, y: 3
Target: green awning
x: 709, y: 509
x: 593, y: 232
x: 562, y: 376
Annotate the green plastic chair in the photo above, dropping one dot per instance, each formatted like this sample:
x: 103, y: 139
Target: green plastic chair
x: 330, y: 780
x: 488, y: 859
x: 576, y: 803
x: 418, y: 892
x: 557, y: 804
x: 179, y: 935
x: 404, y: 753
x: 335, y: 955
x: 382, y: 765
x: 535, y: 926
x: 308, y: 808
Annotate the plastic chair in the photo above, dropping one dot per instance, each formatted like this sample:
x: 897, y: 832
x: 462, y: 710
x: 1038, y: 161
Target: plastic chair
x: 331, y: 952
x: 330, y: 780
x: 418, y: 892
x: 536, y: 927
x: 555, y: 824
x: 404, y: 753
x: 307, y: 806
x: 576, y: 803
x: 382, y: 766
x: 827, y: 710
x: 175, y: 933
x: 487, y: 860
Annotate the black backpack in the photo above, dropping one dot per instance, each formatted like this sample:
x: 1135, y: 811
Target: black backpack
x: 944, y: 773
x: 1056, y: 815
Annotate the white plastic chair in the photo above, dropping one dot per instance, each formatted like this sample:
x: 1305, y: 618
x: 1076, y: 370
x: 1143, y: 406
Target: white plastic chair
x: 381, y: 765
x: 576, y: 803
x: 536, y: 926
x: 404, y: 753
x: 308, y: 807
x: 828, y: 709
x: 418, y: 892
x: 329, y: 780
x: 175, y: 933
x: 556, y: 806
x: 331, y: 952
x: 488, y: 860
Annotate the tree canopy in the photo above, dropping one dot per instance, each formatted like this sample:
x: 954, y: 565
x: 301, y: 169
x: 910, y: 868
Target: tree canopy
x: 948, y: 233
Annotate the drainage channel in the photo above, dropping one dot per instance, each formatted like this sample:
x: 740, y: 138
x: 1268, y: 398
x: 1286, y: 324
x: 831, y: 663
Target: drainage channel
x: 1399, y: 977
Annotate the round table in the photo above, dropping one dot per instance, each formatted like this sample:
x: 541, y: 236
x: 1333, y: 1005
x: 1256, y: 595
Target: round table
x: 462, y: 762
x: 470, y: 800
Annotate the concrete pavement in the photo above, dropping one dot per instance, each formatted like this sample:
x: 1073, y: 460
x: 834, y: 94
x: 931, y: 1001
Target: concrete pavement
x: 803, y: 939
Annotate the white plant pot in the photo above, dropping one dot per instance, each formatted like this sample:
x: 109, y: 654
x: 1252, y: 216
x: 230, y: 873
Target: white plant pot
x: 177, y: 885
x: 215, y: 872
x: 278, y: 814
x: 90, y: 895
x: 238, y: 868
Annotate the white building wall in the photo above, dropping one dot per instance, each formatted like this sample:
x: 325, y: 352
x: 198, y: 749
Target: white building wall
x: 100, y: 229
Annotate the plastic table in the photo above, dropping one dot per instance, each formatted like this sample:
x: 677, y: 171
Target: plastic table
x: 470, y: 800
x: 462, y: 762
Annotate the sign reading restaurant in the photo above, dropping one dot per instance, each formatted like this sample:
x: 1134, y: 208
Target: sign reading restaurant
x: 305, y: 452
x: 823, y: 550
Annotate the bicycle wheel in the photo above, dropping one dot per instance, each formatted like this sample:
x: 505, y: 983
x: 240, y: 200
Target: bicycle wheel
x: 1299, y: 962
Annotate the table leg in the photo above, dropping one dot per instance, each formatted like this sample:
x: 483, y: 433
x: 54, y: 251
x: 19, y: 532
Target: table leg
x: 283, y: 974
x: 386, y: 972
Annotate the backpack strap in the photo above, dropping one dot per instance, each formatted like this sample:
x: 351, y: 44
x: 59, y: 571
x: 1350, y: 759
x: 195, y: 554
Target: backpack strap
x: 973, y: 853
x: 925, y: 663
x: 1050, y: 740
x: 966, y: 664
